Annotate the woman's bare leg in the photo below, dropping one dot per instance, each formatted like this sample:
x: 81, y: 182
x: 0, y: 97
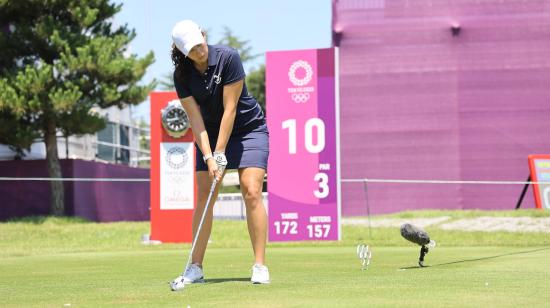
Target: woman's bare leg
x: 251, y: 180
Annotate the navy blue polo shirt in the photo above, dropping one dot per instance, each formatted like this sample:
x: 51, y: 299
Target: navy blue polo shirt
x: 224, y: 67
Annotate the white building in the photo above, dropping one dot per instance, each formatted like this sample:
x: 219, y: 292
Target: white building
x: 118, y: 142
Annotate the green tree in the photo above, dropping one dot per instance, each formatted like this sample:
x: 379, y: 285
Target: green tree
x: 166, y: 82
x: 255, y: 82
x: 243, y: 46
x: 17, y: 133
x: 60, y: 59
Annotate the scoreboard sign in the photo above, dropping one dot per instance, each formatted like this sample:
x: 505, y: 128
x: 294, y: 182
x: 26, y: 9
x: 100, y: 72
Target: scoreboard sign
x: 539, y: 166
x: 303, y: 120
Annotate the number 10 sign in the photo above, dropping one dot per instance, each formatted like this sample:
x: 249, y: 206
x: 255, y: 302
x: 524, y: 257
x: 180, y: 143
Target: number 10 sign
x: 303, y: 170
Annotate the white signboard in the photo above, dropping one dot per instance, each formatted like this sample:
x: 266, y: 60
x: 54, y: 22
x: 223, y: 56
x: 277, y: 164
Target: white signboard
x: 176, y: 176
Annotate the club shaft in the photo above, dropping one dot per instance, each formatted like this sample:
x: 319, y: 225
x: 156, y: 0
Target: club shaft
x: 210, y: 194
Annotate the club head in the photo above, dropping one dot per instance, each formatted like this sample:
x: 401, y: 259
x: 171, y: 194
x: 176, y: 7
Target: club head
x: 177, y: 284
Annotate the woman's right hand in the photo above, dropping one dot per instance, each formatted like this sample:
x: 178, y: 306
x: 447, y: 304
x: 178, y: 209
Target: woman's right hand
x: 213, y: 170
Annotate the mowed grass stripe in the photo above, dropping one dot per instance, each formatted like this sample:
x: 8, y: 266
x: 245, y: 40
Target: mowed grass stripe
x: 302, y: 277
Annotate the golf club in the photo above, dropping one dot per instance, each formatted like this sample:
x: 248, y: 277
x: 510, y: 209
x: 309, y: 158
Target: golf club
x: 179, y: 283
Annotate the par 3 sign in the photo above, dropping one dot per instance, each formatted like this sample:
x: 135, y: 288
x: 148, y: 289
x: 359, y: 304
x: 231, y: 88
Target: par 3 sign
x: 303, y: 169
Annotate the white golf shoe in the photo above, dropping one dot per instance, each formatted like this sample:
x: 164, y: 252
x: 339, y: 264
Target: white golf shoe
x: 260, y: 274
x: 193, y: 274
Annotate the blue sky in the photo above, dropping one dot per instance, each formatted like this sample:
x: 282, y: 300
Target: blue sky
x: 267, y: 25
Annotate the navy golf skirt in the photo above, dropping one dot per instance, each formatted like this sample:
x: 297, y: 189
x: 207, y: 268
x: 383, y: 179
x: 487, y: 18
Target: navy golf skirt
x: 249, y: 149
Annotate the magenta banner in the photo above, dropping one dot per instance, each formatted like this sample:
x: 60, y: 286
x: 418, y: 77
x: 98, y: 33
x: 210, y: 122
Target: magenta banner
x: 303, y: 172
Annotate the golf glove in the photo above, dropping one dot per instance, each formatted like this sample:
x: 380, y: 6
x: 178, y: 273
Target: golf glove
x: 221, y: 160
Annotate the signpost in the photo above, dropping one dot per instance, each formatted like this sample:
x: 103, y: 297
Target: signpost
x: 539, y: 165
x: 172, y: 172
x: 304, y: 167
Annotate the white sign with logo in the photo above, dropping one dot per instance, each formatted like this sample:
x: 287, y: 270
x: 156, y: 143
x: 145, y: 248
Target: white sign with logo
x: 176, y: 176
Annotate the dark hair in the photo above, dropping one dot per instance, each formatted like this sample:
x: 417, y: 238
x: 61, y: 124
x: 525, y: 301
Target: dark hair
x: 182, y: 64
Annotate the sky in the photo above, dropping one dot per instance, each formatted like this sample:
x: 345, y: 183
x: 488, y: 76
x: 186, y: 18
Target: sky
x: 268, y: 25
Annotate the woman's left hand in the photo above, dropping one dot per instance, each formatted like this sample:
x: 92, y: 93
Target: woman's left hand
x: 221, y: 161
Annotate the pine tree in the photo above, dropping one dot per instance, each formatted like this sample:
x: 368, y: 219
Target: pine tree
x: 60, y: 59
x: 255, y: 81
x: 243, y: 46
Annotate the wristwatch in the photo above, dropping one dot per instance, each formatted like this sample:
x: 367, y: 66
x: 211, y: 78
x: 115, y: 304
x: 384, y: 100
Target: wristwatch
x: 207, y: 157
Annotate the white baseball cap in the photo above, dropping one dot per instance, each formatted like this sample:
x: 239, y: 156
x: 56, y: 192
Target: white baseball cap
x: 186, y: 34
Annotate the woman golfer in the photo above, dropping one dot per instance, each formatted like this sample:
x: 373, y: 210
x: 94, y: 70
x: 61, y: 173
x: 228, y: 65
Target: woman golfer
x: 228, y: 125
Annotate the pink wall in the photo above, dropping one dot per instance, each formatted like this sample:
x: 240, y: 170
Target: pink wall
x: 418, y: 102
x: 96, y: 201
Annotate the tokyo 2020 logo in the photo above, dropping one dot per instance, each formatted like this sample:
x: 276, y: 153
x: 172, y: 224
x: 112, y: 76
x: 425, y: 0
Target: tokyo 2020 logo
x: 176, y: 158
x: 300, y: 64
x: 300, y: 75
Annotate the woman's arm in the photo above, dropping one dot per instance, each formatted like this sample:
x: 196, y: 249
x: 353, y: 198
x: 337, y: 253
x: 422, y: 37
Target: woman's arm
x: 231, y: 94
x: 201, y: 136
x: 197, y: 124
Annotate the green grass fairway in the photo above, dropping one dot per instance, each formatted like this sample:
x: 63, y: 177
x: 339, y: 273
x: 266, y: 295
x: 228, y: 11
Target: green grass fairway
x: 302, y: 277
x: 65, y: 262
